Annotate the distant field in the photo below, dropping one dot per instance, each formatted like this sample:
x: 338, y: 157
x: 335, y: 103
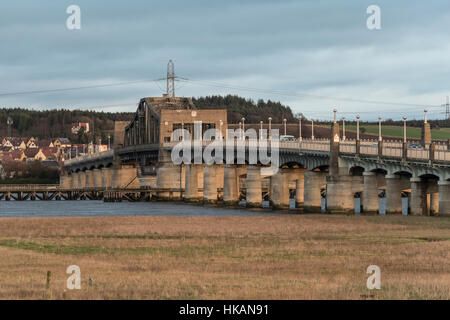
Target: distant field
x: 265, y: 257
x: 397, y: 131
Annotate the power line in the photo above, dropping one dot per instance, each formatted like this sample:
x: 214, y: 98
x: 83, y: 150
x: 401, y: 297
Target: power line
x: 301, y: 94
x: 78, y: 88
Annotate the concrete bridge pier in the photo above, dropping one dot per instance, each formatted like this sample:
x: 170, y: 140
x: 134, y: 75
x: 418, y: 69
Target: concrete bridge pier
x: 169, y: 176
x: 75, y: 180
x: 254, y: 190
x: 210, y: 183
x: 81, y: 180
x: 280, y: 190
x: 434, y: 203
x: 89, y: 179
x: 418, y: 203
x: 444, y: 198
x: 106, y: 177
x: 191, y: 193
x: 393, y: 194
x: 97, y: 178
x: 312, y: 201
x: 370, y: 193
x: 124, y: 177
x: 340, y: 197
x: 299, y: 188
x: 230, y: 186
x: 65, y: 181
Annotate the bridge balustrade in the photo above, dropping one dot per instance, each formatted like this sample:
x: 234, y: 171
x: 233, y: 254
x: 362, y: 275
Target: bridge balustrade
x: 369, y: 149
x: 442, y: 155
x: 392, y: 151
x: 418, y: 154
x: 347, y: 147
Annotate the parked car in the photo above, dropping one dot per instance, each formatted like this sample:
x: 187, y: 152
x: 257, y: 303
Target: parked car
x: 287, y: 138
x: 415, y: 146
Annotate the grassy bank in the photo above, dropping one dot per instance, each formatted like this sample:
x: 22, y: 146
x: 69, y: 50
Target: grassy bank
x: 397, y: 131
x: 273, y: 257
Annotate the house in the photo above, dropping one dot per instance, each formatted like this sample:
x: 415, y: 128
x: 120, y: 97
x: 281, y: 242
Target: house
x: 45, y: 143
x: 62, y: 143
x: 31, y: 143
x: 15, y: 143
x: 31, y: 153
x: 76, y: 127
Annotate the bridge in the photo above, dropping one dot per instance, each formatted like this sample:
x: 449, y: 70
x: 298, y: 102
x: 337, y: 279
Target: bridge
x: 309, y: 170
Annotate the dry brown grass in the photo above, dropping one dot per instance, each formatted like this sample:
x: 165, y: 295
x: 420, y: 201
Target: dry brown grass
x: 272, y: 257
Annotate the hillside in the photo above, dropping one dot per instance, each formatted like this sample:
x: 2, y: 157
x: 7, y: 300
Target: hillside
x: 57, y: 123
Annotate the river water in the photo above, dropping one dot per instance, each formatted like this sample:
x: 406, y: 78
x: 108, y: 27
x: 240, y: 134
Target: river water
x: 101, y: 209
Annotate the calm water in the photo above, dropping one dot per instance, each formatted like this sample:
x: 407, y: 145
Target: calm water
x: 100, y: 208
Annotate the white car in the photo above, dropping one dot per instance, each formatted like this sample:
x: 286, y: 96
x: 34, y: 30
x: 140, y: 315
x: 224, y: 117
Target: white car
x: 287, y: 138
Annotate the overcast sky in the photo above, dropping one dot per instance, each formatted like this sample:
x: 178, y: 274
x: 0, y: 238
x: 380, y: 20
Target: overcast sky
x: 288, y: 51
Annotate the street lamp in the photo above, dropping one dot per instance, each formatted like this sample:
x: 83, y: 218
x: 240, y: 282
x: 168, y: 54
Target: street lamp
x: 270, y: 128
x: 343, y: 128
x: 109, y: 141
x: 300, y: 128
x: 334, y: 110
x: 261, y: 130
x: 379, y: 129
x: 404, y: 129
x: 312, y: 129
x: 284, y: 121
x: 357, y: 127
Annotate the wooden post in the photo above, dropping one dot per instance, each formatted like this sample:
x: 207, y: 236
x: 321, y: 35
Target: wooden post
x: 48, y: 288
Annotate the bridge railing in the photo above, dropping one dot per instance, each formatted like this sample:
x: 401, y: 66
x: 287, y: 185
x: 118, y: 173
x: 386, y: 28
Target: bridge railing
x: 418, y: 154
x: 28, y: 187
x: 90, y: 157
x: 392, y: 151
x: 369, y: 149
x: 347, y: 147
x: 315, y: 145
x: 442, y: 155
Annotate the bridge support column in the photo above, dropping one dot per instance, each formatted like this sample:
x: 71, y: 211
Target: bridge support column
x: 393, y: 194
x: 106, y: 177
x: 280, y: 189
x: 89, y: 179
x: 125, y: 177
x: 444, y: 198
x: 312, y: 201
x: 210, y: 183
x: 434, y: 205
x: 81, y: 180
x: 191, y: 193
x: 75, y: 180
x: 299, y: 188
x: 169, y: 176
x: 254, y: 191
x: 418, y: 197
x: 97, y: 178
x: 65, y: 181
x: 230, y: 186
x: 370, y: 193
x: 340, y: 197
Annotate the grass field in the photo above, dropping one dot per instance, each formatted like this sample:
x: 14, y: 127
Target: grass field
x: 272, y: 257
x: 397, y: 131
